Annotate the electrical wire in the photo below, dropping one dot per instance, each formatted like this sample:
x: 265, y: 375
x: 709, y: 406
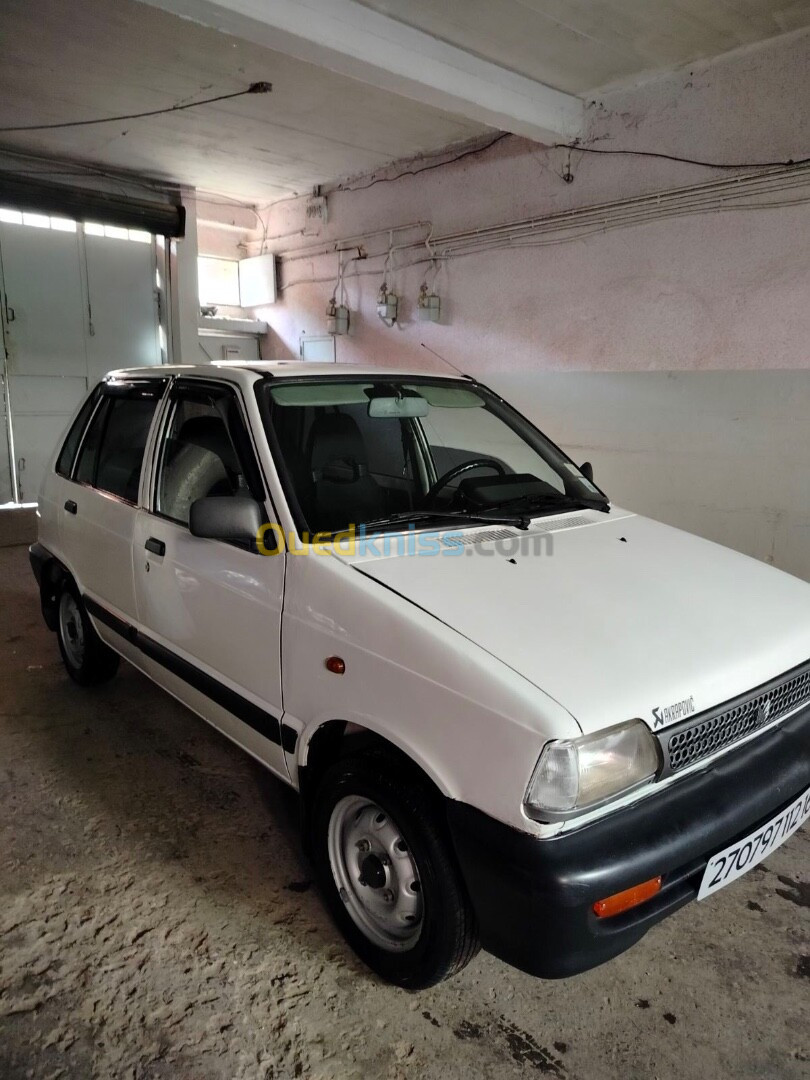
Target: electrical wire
x: 477, y: 245
x: 715, y: 195
x: 426, y: 168
x: 349, y: 243
x: 685, y: 160
x: 708, y: 192
x: 254, y: 88
x: 434, y: 265
x: 588, y: 229
x: 389, y: 258
x: 585, y: 150
x: 357, y: 274
x: 339, y: 290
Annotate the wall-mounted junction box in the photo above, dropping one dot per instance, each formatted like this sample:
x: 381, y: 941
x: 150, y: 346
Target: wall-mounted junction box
x: 257, y: 281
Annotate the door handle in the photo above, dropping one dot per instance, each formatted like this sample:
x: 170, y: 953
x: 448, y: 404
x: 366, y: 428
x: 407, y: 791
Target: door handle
x: 71, y: 506
x: 157, y: 547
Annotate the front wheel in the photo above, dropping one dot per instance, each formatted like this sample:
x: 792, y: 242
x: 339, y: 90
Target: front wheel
x: 387, y: 874
x: 87, y: 659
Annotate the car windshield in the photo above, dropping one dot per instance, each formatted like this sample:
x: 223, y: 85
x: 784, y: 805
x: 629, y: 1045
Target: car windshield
x: 376, y: 452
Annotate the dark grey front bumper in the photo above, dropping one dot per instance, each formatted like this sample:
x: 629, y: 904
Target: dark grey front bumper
x: 534, y: 898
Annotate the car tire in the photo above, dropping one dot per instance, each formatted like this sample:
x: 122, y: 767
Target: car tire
x: 386, y: 870
x: 87, y: 659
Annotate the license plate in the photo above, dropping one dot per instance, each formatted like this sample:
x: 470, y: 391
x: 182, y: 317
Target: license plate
x: 732, y: 863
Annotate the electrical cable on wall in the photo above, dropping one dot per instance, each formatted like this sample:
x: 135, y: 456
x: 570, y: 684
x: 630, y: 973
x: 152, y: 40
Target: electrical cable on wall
x: 717, y: 196
x: 387, y: 300
x: 337, y: 310
x: 254, y: 88
x: 338, y: 288
x: 427, y: 168
x: 428, y: 304
x: 686, y: 160
x: 786, y: 163
x: 714, y: 196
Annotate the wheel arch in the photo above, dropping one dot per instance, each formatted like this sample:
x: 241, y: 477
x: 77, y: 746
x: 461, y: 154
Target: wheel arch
x: 50, y: 574
x: 330, y: 740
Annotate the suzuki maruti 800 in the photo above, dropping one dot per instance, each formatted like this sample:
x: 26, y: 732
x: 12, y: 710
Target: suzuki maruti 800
x: 518, y: 716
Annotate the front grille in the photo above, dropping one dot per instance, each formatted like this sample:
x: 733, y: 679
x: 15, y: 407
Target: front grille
x: 700, y: 737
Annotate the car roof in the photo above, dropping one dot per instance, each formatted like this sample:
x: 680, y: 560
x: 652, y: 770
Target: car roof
x: 283, y: 369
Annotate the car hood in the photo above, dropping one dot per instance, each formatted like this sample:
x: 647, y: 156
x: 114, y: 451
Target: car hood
x: 614, y: 616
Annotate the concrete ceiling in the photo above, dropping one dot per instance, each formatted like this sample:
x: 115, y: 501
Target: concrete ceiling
x: 581, y: 45
x: 62, y: 61
x: 439, y: 73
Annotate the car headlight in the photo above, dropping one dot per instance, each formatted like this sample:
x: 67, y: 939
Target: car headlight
x: 573, y: 775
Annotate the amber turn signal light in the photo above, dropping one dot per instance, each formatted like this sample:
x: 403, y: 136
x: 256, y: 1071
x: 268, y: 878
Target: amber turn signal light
x: 335, y: 664
x: 629, y: 898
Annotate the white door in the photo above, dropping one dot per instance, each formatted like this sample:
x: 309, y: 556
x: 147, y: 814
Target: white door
x: 75, y: 306
x: 6, y: 492
x: 45, y: 342
x: 211, y: 610
x: 123, y: 303
x: 6, y: 488
x: 98, y: 504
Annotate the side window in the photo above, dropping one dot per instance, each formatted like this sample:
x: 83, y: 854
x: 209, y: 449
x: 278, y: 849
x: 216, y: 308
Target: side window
x: 86, y: 467
x: 120, y: 459
x: 111, y: 456
x: 198, y: 457
x: 67, y: 455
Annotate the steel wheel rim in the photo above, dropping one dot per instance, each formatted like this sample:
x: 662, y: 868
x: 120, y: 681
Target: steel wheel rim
x: 71, y: 629
x: 375, y: 874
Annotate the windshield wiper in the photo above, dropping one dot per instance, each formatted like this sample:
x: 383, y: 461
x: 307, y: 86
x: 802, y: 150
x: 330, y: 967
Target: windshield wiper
x: 553, y: 502
x: 520, y: 521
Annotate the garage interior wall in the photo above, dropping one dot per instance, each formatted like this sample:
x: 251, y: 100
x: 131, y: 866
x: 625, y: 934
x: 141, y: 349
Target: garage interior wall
x: 672, y: 354
x: 223, y: 230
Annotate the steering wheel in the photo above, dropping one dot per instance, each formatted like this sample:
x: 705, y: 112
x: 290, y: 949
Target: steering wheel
x: 459, y: 470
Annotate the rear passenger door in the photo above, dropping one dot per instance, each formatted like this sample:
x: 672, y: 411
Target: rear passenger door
x: 209, y: 612
x: 99, y: 491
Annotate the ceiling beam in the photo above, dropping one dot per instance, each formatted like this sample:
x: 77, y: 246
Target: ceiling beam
x: 353, y: 40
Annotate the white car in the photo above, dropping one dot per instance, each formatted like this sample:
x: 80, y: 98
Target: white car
x: 517, y: 715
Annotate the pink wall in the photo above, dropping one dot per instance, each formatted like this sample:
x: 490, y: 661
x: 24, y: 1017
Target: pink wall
x: 721, y: 292
x: 726, y: 290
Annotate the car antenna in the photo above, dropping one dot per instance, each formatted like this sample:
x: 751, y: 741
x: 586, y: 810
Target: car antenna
x: 449, y: 364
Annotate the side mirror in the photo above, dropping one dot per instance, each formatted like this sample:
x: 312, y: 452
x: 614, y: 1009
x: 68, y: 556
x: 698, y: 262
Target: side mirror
x: 587, y: 470
x: 226, y: 517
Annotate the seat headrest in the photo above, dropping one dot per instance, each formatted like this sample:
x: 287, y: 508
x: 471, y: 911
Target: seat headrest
x: 335, y: 438
x: 210, y: 433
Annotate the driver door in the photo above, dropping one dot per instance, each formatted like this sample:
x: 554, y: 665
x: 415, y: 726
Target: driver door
x: 210, y: 611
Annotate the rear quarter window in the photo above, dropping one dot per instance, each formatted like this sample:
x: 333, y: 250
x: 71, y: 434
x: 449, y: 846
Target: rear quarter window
x: 67, y: 455
x: 111, y: 455
x: 86, y: 465
x: 120, y: 459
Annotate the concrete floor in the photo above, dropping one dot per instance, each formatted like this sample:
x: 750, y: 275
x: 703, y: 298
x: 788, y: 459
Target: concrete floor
x: 157, y: 920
